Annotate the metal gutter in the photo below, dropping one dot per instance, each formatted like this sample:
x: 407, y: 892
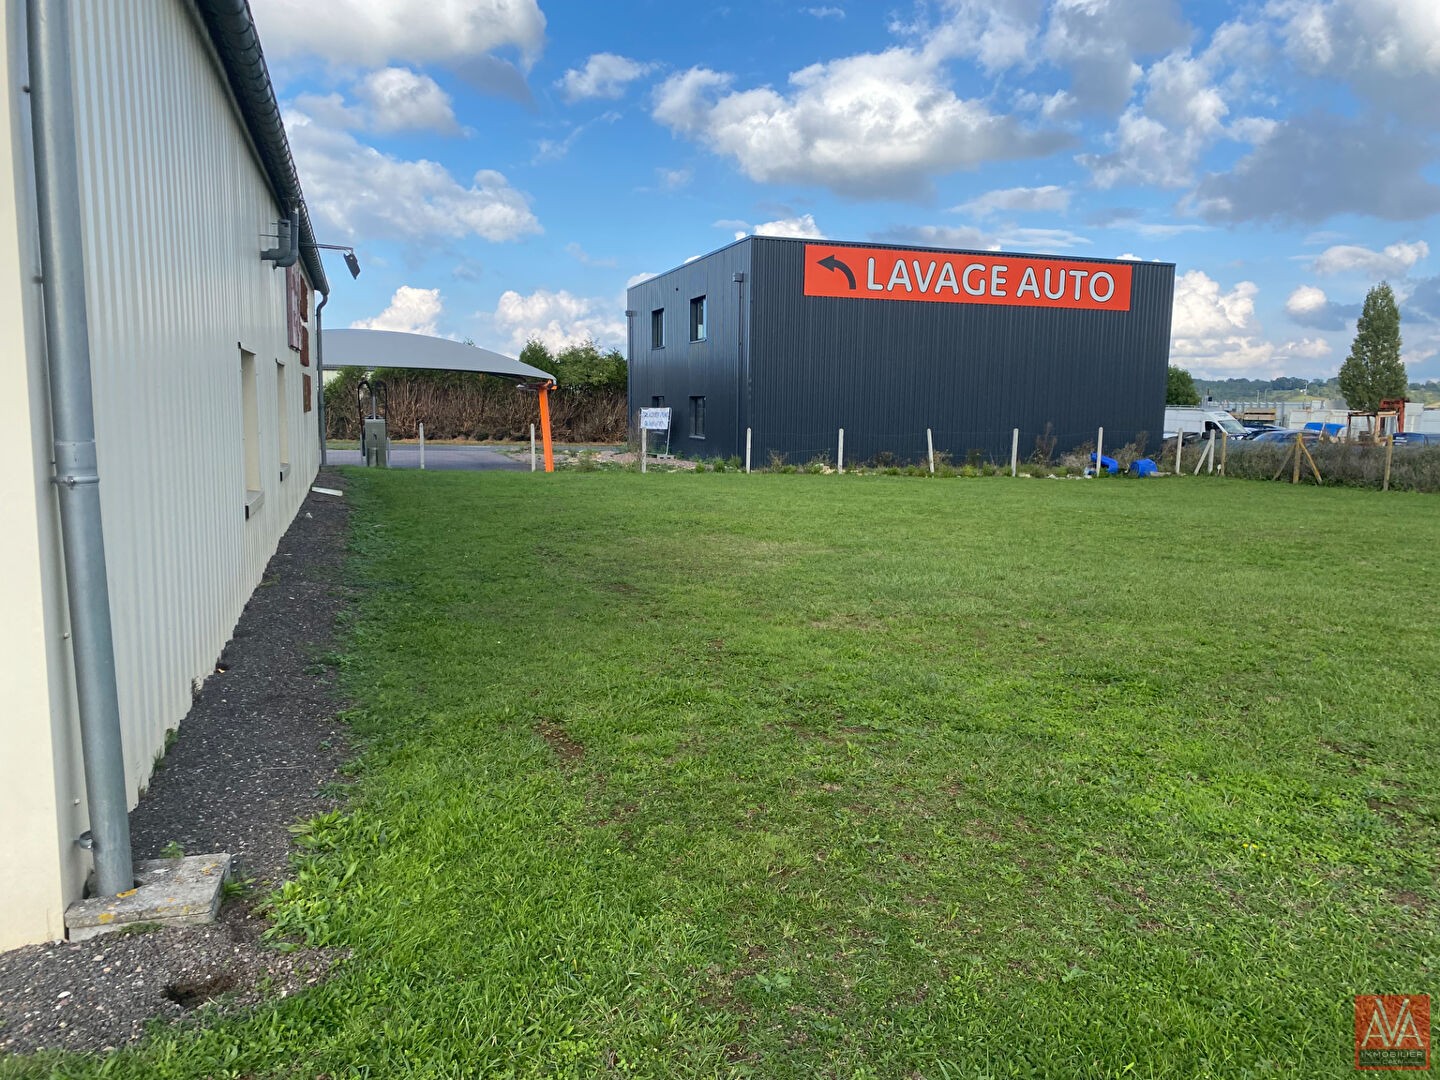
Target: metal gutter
x: 320, y: 372
x: 232, y: 33
x: 72, y: 417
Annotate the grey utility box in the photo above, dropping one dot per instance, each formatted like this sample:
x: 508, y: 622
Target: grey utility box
x: 376, y: 444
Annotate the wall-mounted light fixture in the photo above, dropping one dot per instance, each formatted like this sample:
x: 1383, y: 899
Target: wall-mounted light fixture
x: 351, y: 262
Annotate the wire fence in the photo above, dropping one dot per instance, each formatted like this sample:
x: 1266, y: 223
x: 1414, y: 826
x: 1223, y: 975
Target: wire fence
x: 1048, y: 452
x: 988, y: 449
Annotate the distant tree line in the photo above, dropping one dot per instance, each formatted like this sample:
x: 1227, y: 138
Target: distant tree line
x: 588, y: 406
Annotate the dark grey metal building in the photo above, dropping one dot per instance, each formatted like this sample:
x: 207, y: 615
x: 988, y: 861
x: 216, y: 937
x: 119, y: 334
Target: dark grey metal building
x: 796, y: 339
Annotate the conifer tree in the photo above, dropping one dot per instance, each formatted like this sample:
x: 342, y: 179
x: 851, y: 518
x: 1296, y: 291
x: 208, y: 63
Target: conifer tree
x: 1374, y: 371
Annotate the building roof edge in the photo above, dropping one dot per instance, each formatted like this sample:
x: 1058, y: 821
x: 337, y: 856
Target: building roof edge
x: 237, y: 43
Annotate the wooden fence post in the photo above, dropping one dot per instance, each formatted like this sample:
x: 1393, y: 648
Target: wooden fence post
x: 1014, y: 451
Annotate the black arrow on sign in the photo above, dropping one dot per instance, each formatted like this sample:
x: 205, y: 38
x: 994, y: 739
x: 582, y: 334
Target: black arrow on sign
x: 832, y: 263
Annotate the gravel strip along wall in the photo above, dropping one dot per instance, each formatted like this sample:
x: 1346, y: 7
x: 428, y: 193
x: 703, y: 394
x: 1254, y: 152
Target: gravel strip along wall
x: 255, y: 754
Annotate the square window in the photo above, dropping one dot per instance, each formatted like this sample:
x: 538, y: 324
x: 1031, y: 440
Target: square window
x: 697, y: 417
x: 697, y: 319
x: 657, y: 328
x: 657, y: 401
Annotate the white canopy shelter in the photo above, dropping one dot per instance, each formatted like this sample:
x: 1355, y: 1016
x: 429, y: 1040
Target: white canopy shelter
x: 392, y: 349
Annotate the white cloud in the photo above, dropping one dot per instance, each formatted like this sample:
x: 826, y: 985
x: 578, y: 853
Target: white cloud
x: 1387, y: 51
x: 826, y: 12
x: 1050, y: 197
x: 1398, y: 36
x: 1129, y: 257
x: 1316, y: 165
x: 370, y: 33
x: 402, y: 100
x: 1000, y: 34
x: 1165, y: 229
x: 1182, y: 114
x: 355, y: 189
x: 584, y: 258
x: 411, y: 311
x: 1099, y: 42
x: 558, y: 319
x: 331, y: 111
x: 674, y: 179
x: 876, y: 124
x: 1395, y: 261
x: 1214, y: 332
x: 605, y: 75
x: 636, y: 279
x: 966, y: 237
x: 1306, y: 300
x: 802, y: 226
x: 1309, y: 306
x: 1041, y: 239
x: 555, y: 149
x: 1202, y: 311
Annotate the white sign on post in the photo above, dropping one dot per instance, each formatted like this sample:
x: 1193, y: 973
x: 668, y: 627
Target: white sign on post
x: 655, y: 419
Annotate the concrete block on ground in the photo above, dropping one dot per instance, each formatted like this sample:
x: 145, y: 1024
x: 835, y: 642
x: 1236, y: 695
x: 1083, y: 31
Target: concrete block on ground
x: 168, y: 892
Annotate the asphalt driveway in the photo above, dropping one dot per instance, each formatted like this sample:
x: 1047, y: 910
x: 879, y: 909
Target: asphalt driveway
x: 437, y: 456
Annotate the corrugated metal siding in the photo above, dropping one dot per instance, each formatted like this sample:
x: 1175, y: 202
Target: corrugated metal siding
x: 683, y: 368
x: 887, y: 370
x: 175, y: 214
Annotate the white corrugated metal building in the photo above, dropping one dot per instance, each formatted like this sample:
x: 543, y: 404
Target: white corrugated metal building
x: 203, y: 392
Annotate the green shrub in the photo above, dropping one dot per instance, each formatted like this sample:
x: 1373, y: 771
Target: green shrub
x: 1346, y: 464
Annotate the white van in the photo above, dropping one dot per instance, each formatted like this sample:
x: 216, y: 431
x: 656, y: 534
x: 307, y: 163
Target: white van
x: 1198, y: 421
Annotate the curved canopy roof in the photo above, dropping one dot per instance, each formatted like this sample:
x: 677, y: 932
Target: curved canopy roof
x: 392, y: 349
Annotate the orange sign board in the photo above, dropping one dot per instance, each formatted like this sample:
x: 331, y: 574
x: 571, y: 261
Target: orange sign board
x: 1392, y: 1032
x: 864, y: 273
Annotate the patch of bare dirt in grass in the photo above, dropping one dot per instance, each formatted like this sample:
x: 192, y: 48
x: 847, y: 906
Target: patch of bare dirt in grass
x: 559, y: 741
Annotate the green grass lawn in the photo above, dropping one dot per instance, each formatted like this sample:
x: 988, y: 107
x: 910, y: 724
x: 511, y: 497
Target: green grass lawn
x: 789, y: 776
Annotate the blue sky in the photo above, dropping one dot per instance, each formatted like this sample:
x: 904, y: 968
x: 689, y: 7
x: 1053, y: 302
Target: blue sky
x: 506, y: 167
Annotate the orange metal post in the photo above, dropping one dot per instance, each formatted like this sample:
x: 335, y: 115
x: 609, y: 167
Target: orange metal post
x: 545, y: 425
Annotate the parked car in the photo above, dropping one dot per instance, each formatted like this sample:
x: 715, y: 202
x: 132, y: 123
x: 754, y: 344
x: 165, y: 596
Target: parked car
x: 1261, y: 429
x: 1284, y: 435
x: 1416, y: 438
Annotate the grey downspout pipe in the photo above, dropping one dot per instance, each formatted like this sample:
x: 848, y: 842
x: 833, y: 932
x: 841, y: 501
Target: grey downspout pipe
x: 286, y: 254
x: 320, y: 371
x: 72, y: 418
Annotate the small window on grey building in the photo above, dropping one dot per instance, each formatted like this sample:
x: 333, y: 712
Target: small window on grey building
x: 697, y: 416
x: 657, y: 401
x: 657, y: 328
x: 697, y: 319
